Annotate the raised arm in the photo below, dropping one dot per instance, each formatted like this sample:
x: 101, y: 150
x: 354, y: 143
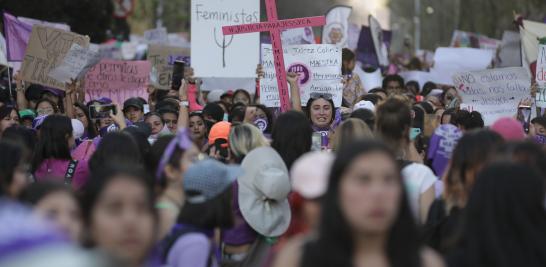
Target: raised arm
x: 22, y: 102
x: 183, y: 113
x: 292, y: 79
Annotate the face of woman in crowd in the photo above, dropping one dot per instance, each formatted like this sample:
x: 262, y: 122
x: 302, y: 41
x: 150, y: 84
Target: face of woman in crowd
x: 63, y: 209
x: 122, y: 222
x: 241, y: 98
x: 134, y: 114
x: 175, y: 173
x: 105, y: 122
x: 446, y: 119
x: 197, y: 128
x: 449, y: 96
x: 9, y: 120
x: 321, y: 112
x: 45, y: 108
x: 79, y: 114
x: 171, y: 120
x: 370, y: 192
x: 155, y: 123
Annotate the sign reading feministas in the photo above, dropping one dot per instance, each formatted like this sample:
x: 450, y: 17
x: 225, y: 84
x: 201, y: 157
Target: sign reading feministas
x: 216, y: 55
x: 318, y: 67
x: 494, y: 93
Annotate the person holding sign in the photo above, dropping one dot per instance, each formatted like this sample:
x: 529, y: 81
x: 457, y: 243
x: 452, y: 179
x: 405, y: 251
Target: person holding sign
x: 353, y: 86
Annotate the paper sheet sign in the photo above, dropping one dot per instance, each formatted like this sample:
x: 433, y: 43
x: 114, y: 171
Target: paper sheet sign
x: 541, y: 76
x: 162, y: 59
x: 319, y: 68
x: 117, y: 80
x: 156, y: 36
x: 75, y: 64
x: 46, y: 49
x: 494, y: 93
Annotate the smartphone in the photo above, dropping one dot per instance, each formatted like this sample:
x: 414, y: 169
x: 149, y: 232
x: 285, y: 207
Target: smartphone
x: 414, y: 132
x: 146, y: 108
x: 524, y: 115
x: 102, y: 111
x: 178, y: 74
x: 316, y: 141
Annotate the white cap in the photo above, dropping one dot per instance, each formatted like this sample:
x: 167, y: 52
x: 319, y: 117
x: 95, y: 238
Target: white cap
x: 435, y: 92
x: 214, y: 96
x: 364, y: 105
x: 310, y: 174
x: 77, y: 128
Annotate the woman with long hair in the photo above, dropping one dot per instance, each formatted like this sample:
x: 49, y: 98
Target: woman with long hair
x: 366, y: 218
x: 291, y: 136
x: 505, y: 221
x: 52, y: 158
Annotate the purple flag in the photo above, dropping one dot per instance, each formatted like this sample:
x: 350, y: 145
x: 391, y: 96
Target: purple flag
x: 17, y: 31
x: 17, y: 35
x: 365, y: 51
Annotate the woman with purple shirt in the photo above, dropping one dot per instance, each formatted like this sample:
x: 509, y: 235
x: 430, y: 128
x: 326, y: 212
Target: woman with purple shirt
x: 52, y: 159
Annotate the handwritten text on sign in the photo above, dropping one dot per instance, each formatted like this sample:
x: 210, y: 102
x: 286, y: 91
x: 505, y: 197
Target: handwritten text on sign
x: 46, y: 49
x: 541, y: 76
x: 494, y: 93
x: 162, y: 59
x: 117, y: 80
x: 318, y: 67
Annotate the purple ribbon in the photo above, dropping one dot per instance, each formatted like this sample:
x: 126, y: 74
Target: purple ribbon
x: 181, y: 140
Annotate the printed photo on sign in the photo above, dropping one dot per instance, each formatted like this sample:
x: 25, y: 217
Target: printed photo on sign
x: 318, y: 68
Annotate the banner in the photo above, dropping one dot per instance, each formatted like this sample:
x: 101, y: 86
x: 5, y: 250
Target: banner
x: 162, y: 59
x: 450, y: 60
x: 336, y: 30
x: 530, y: 33
x: 17, y: 31
x: 298, y: 36
x: 381, y: 50
x: 117, y: 80
x: 216, y: 55
x: 75, y: 64
x: 319, y: 68
x: 541, y: 75
x: 473, y: 40
x: 365, y: 51
x: 46, y: 49
x: 156, y: 36
x: 494, y: 93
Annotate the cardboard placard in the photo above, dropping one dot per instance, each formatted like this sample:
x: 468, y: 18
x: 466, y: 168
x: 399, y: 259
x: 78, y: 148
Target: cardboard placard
x: 117, y: 80
x: 494, y: 93
x: 541, y: 76
x: 162, y: 59
x: 46, y: 49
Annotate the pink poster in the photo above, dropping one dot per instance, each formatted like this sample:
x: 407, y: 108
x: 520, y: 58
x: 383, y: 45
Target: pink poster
x: 117, y: 80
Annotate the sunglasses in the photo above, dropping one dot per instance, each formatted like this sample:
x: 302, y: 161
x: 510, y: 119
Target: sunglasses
x: 324, y: 96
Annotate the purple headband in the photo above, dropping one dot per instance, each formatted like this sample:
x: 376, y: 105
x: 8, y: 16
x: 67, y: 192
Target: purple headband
x: 181, y: 140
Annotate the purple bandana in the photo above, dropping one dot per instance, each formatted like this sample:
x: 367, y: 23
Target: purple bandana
x: 181, y: 140
x: 441, y: 146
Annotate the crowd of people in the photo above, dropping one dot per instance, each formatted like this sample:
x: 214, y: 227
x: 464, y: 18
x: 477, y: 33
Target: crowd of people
x: 396, y: 176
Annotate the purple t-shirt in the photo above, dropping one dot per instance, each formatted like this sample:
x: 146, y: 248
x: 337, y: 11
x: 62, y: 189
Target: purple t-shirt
x: 55, y: 169
x: 441, y: 146
x: 241, y: 233
x: 192, y: 250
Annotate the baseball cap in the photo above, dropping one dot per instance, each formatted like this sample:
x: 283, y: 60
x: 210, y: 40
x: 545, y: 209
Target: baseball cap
x: 364, y: 105
x: 219, y: 130
x: 133, y: 102
x: 27, y: 114
x: 209, y: 178
x: 214, y: 96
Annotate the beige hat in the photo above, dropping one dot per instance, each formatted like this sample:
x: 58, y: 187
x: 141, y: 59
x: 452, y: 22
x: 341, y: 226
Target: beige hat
x: 310, y: 174
x: 263, y: 192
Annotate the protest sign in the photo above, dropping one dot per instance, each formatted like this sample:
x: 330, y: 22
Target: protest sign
x: 448, y: 61
x: 17, y: 31
x: 336, y: 30
x: 216, y: 55
x: 319, y: 68
x: 298, y: 36
x: 156, y: 36
x: 162, y: 59
x: 117, y: 80
x: 494, y: 93
x: 510, y: 51
x: 474, y: 40
x: 541, y: 76
x: 419, y: 76
x: 3, y: 59
x: 46, y: 49
x: 75, y: 64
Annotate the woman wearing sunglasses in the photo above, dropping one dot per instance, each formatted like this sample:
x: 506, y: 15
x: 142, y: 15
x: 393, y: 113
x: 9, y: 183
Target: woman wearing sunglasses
x: 320, y: 109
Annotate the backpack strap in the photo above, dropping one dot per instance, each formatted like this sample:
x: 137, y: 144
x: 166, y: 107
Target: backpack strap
x: 70, y: 172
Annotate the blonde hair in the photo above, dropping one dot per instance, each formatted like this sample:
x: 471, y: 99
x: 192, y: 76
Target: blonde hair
x: 245, y: 137
x: 350, y: 131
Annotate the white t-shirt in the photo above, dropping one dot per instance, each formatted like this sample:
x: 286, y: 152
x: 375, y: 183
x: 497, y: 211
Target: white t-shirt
x: 418, y: 178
